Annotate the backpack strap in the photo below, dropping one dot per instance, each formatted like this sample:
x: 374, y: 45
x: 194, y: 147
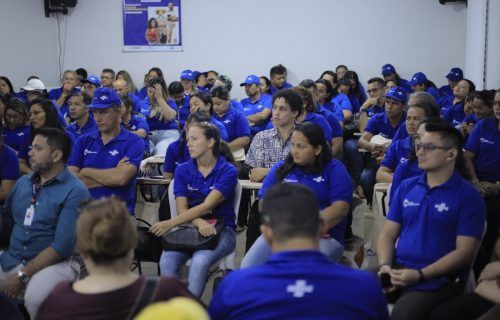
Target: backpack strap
x: 145, y: 297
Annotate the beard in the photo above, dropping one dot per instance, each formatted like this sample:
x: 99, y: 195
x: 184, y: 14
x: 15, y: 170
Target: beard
x: 43, y: 167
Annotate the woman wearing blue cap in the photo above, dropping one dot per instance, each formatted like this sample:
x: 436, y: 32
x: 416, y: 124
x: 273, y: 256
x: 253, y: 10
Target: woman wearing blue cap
x: 419, y: 82
x: 454, y: 76
x: 389, y: 73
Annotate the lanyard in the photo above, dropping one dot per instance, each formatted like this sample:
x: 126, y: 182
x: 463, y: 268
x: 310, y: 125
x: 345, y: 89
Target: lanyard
x: 35, y: 189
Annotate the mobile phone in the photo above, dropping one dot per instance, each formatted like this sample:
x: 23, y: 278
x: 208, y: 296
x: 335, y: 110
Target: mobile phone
x: 385, y: 280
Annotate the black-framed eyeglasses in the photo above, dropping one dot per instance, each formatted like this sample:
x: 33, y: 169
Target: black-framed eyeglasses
x: 429, y: 147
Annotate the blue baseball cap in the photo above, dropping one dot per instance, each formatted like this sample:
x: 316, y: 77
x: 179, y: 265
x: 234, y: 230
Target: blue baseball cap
x: 418, y: 78
x: 397, y: 93
x: 105, y: 97
x: 251, y: 79
x: 187, y: 74
x: 455, y: 74
x: 388, y: 69
x: 195, y: 74
x: 92, y: 79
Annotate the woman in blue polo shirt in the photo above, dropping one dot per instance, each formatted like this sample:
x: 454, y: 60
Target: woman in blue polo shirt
x: 482, y: 106
x: 9, y: 169
x: 205, y: 184
x: 356, y: 95
x: 134, y: 122
x: 482, y: 155
x: 160, y: 114
x: 310, y: 163
x: 237, y: 126
x: 202, y: 101
x: 325, y: 95
x: 399, y: 150
x: 16, y: 132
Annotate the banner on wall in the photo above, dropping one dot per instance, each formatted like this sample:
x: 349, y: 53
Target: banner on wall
x: 152, y: 25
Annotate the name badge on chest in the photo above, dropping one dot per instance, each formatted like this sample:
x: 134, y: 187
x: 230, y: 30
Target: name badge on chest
x: 29, y: 216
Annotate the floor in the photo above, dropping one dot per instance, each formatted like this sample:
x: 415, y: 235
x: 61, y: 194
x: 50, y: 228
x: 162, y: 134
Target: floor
x: 348, y: 259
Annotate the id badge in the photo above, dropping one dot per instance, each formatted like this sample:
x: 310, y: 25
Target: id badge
x: 30, y: 214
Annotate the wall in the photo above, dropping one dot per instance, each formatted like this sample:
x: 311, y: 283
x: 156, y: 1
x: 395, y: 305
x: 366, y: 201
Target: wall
x: 239, y: 37
x: 474, y: 55
x: 493, y: 46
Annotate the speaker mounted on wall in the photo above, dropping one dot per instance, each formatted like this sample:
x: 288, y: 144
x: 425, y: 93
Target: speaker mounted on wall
x: 58, y: 6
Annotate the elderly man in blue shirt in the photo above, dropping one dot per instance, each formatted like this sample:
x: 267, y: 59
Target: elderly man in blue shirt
x: 43, y: 208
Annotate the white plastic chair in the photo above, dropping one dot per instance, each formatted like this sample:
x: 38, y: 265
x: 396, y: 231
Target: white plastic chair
x: 226, y: 263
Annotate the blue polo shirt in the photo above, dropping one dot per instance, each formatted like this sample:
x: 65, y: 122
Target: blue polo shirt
x: 16, y: 138
x: 251, y: 108
x: 236, y: 104
x: 297, y: 284
x: 405, y: 84
x: 25, y: 149
x: 61, y: 114
x: 175, y: 157
x: 330, y: 185
x: 484, y: 142
x: 445, y: 91
x: 220, y: 126
x: 404, y: 171
x: 355, y: 103
x: 54, y: 222
x: 446, y: 103
x: 379, y: 124
x: 90, y: 152
x: 235, y: 122
x: 154, y: 123
x: 190, y: 183
x: 9, y: 164
x: 142, y: 93
x: 373, y: 110
x: 183, y: 110
x: 138, y: 122
x: 455, y: 115
x: 401, y: 133
x: 321, y: 122
x: 332, y: 121
x: 398, y: 153
x: 203, y: 89
x: 136, y: 101
x: 77, y: 132
x: 434, y: 93
x: 471, y: 118
x: 54, y: 94
x: 342, y: 102
x: 333, y: 108
x: 273, y: 90
x: 431, y: 220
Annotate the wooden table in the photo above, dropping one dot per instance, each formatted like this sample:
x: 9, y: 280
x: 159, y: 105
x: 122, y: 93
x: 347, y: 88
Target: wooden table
x: 156, y: 181
x: 249, y: 185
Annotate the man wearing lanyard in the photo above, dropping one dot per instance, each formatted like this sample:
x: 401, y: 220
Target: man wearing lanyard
x: 106, y: 161
x: 43, y: 208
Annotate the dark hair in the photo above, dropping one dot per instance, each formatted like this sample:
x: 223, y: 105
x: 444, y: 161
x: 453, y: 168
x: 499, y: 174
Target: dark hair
x: 175, y: 87
x: 344, y: 82
x: 57, y: 139
x: 292, y: 98
x: 228, y: 84
x: 308, y: 84
x: 377, y: 80
x: 212, y: 71
x: 197, y: 76
x: 160, y: 81
x: 268, y: 83
x: 451, y: 137
x: 51, y: 116
x: 316, y: 137
x: 85, y: 97
x: 128, y: 103
x: 472, y: 86
x: 82, y: 73
x: 291, y: 210
x: 150, y: 21
x: 108, y: 70
x: 9, y: 84
x: 18, y: 106
x: 104, y: 231
x: 194, y: 117
x: 220, y: 92
x: 330, y: 73
x: 206, y: 98
x: 221, y: 148
x: 329, y: 88
x: 277, y: 70
x: 307, y: 99
x: 158, y: 72
x: 486, y: 96
x: 427, y: 102
x: 471, y: 96
x: 341, y: 66
x: 130, y: 83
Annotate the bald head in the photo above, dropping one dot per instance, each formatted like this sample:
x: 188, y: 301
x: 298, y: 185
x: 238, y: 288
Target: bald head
x: 120, y: 86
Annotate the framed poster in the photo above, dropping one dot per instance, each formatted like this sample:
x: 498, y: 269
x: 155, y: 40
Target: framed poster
x: 152, y: 25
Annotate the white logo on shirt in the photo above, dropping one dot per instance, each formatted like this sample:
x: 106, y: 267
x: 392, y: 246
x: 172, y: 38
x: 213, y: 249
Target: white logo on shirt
x: 403, y: 160
x: 227, y: 121
x: 260, y: 106
x: 133, y: 127
x: 103, y: 98
x: 483, y: 140
x: 86, y: 152
x: 290, y: 180
x: 114, y: 152
x: 300, y: 288
x: 20, y: 134
x: 319, y: 179
x: 441, y: 207
x: 408, y: 203
x: 211, y: 187
x: 191, y: 188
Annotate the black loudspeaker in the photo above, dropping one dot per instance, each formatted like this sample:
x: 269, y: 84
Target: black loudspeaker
x: 443, y: 2
x: 63, y: 3
x: 58, y: 6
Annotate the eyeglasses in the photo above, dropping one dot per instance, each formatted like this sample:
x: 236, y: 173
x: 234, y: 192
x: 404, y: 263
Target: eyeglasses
x: 106, y: 78
x: 372, y: 90
x: 429, y: 147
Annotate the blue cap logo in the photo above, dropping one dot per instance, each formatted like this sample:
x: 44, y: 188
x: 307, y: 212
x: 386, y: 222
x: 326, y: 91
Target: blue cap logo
x: 397, y: 93
x: 104, y: 98
x: 251, y: 79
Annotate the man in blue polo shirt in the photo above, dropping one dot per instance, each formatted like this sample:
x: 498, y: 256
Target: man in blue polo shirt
x: 384, y: 124
x: 61, y: 95
x: 454, y: 76
x: 433, y: 229
x: 79, y: 111
x: 278, y: 75
x: 374, y: 104
x: 121, y: 87
x: 297, y: 281
x: 91, y: 84
x: 43, y: 208
x: 257, y: 107
x: 107, y: 160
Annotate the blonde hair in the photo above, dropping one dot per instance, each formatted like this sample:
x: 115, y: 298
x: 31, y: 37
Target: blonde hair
x: 104, y: 231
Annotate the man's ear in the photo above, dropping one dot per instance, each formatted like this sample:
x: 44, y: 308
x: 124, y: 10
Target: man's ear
x: 57, y: 155
x: 267, y: 233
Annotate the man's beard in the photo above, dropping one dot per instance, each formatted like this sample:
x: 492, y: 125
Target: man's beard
x: 42, y: 168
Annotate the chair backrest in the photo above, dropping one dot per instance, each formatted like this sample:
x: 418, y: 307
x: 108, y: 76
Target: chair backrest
x: 173, y: 206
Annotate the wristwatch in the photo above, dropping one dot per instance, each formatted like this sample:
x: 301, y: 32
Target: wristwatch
x: 421, y: 276
x: 23, y: 277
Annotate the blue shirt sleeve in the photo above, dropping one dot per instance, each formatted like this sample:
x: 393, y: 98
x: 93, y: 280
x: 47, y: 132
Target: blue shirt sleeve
x: 336, y: 129
x: 472, y: 144
x: 373, y: 125
x: 340, y: 184
x: 269, y: 180
x: 10, y: 165
x: 242, y: 126
x: 181, y: 180
x: 395, y: 213
x: 135, y: 150
x: 390, y: 159
x: 472, y: 215
x: 170, y: 156
x: 76, y: 157
x: 327, y: 130
x: 226, y: 182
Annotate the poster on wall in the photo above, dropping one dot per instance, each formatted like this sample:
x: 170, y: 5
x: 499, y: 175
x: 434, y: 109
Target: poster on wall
x: 152, y: 25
